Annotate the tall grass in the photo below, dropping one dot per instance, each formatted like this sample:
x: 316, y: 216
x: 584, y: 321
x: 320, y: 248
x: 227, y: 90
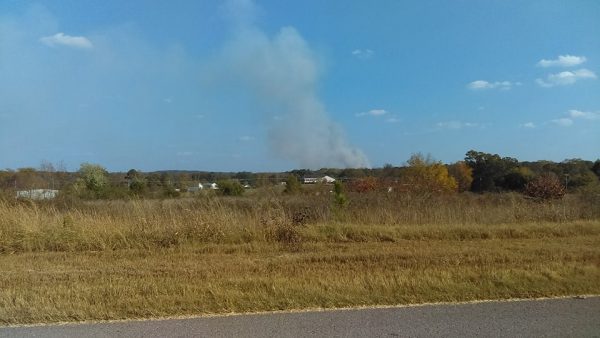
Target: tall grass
x: 79, y: 260
x: 27, y: 226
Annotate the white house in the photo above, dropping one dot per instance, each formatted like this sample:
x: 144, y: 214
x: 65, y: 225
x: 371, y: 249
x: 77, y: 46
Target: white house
x: 38, y: 194
x: 195, y: 188
x: 327, y: 179
x: 324, y: 179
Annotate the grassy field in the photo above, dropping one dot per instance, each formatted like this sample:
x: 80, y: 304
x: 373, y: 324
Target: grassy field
x: 134, y: 259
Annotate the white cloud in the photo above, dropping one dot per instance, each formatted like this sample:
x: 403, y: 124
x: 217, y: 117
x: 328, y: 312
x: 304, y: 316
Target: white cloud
x: 363, y: 53
x: 563, y: 61
x: 373, y: 112
x: 482, y: 85
x: 456, y: 125
x: 67, y: 40
x: 566, y: 78
x: 392, y: 120
x: 246, y: 138
x: 377, y: 112
x: 587, y: 115
x: 529, y: 125
x: 563, y: 122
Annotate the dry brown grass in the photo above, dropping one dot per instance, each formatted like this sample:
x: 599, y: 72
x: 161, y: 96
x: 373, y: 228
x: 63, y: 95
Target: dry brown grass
x: 145, y: 224
x: 126, y: 259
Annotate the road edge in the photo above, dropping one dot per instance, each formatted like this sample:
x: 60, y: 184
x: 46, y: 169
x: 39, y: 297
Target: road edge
x: 304, y: 310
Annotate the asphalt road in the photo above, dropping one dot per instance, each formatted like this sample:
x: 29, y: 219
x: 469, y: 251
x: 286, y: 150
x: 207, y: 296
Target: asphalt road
x: 542, y: 318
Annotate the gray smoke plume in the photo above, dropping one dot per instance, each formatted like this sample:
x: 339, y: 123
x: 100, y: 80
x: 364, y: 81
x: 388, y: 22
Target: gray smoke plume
x: 281, y: 72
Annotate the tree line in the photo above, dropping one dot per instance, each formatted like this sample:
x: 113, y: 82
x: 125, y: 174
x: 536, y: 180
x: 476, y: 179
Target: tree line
x: 479, y: 172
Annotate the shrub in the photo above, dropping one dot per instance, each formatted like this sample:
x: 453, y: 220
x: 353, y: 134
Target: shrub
x: 366, y: 184
x: 230, y: 187
x: 340, y: 197
x: 547, y: 186
x: 292, y: 185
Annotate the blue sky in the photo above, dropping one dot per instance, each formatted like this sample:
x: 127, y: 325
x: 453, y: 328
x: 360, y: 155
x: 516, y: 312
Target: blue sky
x: 277, y: 85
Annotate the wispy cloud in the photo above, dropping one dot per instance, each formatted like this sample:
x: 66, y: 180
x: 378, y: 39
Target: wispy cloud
x: 562, y: 61
x: 563, y: 122
x: 61, y: 39
x: 373, y: 112
x: 363, y: 53
x: 392, y: 120
x: 586, y: 115
x: 483, y: 85
x: 566, y: 78
x: 246, y: 138
x: 456, y: 125
x: 573, y: 115
x: 529, y: 125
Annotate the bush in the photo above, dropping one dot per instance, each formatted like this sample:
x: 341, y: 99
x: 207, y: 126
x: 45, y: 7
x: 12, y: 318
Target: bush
x: 230, y: 187
x: 340, y: 197
x: 363, y: 185
x: 545, y: 187
x: 292, y: 185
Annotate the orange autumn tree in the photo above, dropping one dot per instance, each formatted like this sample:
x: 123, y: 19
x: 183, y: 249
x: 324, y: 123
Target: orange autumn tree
x: 463, y: 174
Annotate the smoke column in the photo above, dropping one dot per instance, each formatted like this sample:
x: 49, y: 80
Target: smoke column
x: 281, y: 72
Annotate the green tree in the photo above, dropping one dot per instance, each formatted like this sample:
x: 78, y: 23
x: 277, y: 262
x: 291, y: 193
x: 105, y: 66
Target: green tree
x: 517, y: 178
x: 94, y: 177
x: 596, y: 168
x: 292, y: 185
x: 230, y: 187
x: 489, y: 170
x: 136, y: 182
x: 576, y: 173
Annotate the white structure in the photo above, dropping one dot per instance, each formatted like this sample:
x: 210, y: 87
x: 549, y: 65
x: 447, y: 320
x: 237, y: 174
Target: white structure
x: 195, y: 189
x: 202, y: 186
x: 324, y: 179
x: 38, y: 194
x: 327, y: 179
x: 212, y: 186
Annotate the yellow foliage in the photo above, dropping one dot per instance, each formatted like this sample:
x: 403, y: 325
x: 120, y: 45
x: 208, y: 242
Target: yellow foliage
x: 463, y: 174
x: 425, y: 174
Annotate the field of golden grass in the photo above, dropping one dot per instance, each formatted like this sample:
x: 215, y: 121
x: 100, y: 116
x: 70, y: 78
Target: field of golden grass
x: 147, y: 258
